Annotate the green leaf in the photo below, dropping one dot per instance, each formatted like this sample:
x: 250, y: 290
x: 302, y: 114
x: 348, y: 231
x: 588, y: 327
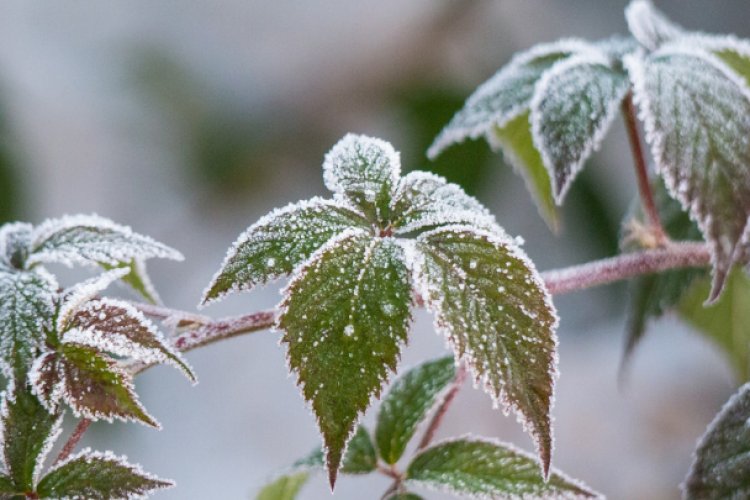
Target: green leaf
x: 404, y: 496
x: 517, y: 144
x: 96, y: 388
x: 424, y: 200
x: 90, y: 239
x: 497, y: 315
x: 137, y: 279
x: 573, y: 107
x: 479, y: 468
x: 285, y: 487
x: 26, y: 310
x: 28, y: 432
x: 344, y: 317
x: 366, y: 171
x: 727, y: 322
x: 360, y: 456
x: 117, y: 327
x: 278, y: 242
x: 654, y: 294
x: 721, y: 462
x: 695, y: 111
x: 98, y: 476
x: 15, y: 239
x: 649, y: 26
x: 736, y: 57
x: 7, y: 486
x: 408, y: 402
x: 504, y: 96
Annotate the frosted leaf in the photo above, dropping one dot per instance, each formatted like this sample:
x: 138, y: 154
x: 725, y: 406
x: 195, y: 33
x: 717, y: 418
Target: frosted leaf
x: 517, y: 144
x: 99, y: 476
x: 734, y: 52
x: 721, y: 462
x: 26, y: 310
x: 424, y: 200
x: 137, y: 279
x: 90, y: 240
x: 365, y: 170
x: 504, y: 96
x: 77, y: 295
x: 498, y: 317
x: 117, y: 327
x: 573, y: 107
x: 46, y: 381
x: 409, y: 400
x: 697, y: 120
x: 482, y: 468
x: 345, y: 283
x: 360, y: 456
x: 278, y: 242
x: 28, y: 432
x: 15, y: 239
x: 90, y: 383
x: 616, y: 48
x: 649, y: 26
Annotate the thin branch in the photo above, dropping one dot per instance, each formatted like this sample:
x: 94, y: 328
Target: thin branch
x: 641, y: 171
x: 437, y: 418
x: 73, y: 440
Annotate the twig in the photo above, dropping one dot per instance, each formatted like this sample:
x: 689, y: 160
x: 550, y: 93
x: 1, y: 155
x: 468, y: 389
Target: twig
x: 437, y: 418
x: 641, y: 171
x: 73, y: 440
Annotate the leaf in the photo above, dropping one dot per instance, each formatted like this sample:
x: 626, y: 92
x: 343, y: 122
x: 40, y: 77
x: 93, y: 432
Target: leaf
x: 278, y: 242
x: 90, y: 239
x: 721, y: 462
x: 649, y: 26
x: 480, y: 468
x: 285, y: 487
x: 26, y: 310
x: 517, y: 144
x: 79, y: 294
x: 95, y: 388
x: 137, y: 279
x: 15, y: 238
x: 425, y: 200
x: 360, y: 456
x: 727, y: 322
x: 344, y: 318
x: 7, y: 486
x: 28, y: 433
x: 572, y: 109
x: 98, y: 476
x: 404, y: 496
x: 494, y: 309
x: 504, y: 96
x: 697, y: 120
x: 408, y: 402
x: 366, y: 171
x: 654, y: 294
x: 47, y: 381
x: 117, y: 327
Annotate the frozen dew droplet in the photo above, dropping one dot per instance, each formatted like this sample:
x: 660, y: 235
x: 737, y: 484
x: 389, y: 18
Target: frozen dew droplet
x: 349, y: 330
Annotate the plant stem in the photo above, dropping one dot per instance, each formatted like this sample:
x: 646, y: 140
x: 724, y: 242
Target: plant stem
x: 437, y: 418
x: 559, y: 281
x: 73, y: 440
x: 641, y: 171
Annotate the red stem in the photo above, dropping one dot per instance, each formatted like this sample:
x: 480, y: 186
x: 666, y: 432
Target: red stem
x: 73, y: 440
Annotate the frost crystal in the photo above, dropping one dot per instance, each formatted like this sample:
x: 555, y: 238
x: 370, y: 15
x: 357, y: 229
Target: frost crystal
x: 649, y: 26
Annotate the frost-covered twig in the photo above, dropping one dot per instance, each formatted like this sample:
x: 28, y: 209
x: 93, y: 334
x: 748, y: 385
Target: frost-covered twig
x: 641, y: 171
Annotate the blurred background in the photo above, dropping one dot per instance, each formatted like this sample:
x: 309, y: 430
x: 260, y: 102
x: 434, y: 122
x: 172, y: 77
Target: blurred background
x: 190, y: 120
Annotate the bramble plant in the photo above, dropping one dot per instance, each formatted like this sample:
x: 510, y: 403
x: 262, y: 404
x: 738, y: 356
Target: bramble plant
x: 386, y: 243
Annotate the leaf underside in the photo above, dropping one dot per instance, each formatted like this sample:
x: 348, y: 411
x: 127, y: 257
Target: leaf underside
x: 408, y: 402
x: 478, y: 468
x: 345, y: 317
x: 497, y: 315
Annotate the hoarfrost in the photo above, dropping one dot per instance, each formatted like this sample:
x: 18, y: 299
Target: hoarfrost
x: 649, y: 26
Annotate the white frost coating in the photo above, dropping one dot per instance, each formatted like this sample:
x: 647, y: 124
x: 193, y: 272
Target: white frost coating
x: 471, y: 438
x: 424, y: 199
x: 687, y: 170
x: 12, y: 235
x: 260, y: 228
x: 362, y: 164
x: 139, y: 267
x: 49, y: 442
x: 81, y: 293
x: 88, y: 456
x: 43, y: 363
x: 434, y: 298
x: 565, y: 85
x: 649, y: 26
x: 90, y: 239
x: 475, y: 120
x: 107, y: 335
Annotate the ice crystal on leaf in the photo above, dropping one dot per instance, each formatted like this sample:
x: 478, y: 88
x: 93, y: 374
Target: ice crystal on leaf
x: 355, y: 267
x: 568, y: 92
x: 649, y: 26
